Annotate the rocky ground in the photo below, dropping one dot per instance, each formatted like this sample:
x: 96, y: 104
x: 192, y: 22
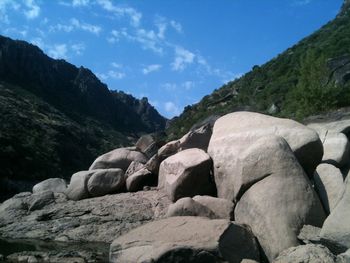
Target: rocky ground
x: 247, y: 188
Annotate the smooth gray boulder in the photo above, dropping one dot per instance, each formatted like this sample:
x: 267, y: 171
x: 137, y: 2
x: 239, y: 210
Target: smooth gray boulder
x: 336, y: 150
x: 77, y: 188
x: 235, y: 132
x: 336, y: 229
x: 310, y: 234
x: 118, y: 158
x: 186, y: 174
x: 329, y: 185
x: 185, y: 239
x: 306, y: 254
x: 277, y: 197
x: 57, y: 185
x: 188, y: 207
x: 106, y: 181
x: 222, y: 208
x: 139, y: 179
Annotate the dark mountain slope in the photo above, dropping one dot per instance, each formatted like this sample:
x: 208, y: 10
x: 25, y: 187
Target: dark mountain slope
x: 308, y: 78
x: 56, y: 118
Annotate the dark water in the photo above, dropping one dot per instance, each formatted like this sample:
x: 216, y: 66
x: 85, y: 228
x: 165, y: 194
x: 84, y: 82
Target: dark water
x: 100, y: 250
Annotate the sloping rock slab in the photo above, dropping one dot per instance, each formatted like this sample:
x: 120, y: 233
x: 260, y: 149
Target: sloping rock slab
x: 186, y: 239
x: 100, y: 219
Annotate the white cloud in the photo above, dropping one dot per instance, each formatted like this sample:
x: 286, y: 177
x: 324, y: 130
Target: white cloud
x: 183, y: 58
x: 80, y: 2
x: 6, y: 5
x: 151, y: 68
x: 38, y: 42
x: 115, y: 73
x: 75, y: 24
x: 171, y: 108
x: 78, y: 48
x: 12, y: 30
x: 116, y: 65
x: 177, y: 26
x: 58, y: 51
x: 85, y: 26
x: 134, y: 16
x: 33, y: 9
x: 301, y: 2
x: 188, y: 85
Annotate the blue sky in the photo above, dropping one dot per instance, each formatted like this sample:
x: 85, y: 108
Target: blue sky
x: 172, y: 51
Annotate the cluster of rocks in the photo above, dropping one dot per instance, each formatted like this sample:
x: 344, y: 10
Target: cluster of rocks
x: 246, y: 189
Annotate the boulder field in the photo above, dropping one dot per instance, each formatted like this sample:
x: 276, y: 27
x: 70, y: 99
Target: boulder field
x: 246, y: 188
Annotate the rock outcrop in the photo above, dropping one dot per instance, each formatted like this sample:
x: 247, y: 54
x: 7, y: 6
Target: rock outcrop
x: 281, y: 200
x: 235, y: 132
x: 57, y: 185
x: 186, y: 239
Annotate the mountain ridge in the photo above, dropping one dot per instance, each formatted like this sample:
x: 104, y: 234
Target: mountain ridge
x: 57, y: 118
x: 297, y: 83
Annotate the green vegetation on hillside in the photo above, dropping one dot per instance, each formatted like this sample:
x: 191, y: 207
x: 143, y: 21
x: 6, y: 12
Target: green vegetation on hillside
x: 297, y: 83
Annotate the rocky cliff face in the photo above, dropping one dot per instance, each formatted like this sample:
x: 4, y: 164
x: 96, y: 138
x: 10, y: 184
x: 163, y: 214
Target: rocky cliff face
x: 56, y: 118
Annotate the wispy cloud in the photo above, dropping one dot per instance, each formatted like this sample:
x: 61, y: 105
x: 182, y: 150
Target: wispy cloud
x: 58, y: 51
x: 151, y: 68
x: 114, y: 73
x: 78, y: 48
x: 6, y: 5
x: 80, y: 2
x: 75, y: 24
x: 183, y: 57
x: 32, y: 9
x: 176, y: 25
x: 301, y: 2
x: 171, y: 108
x: 118, y: 11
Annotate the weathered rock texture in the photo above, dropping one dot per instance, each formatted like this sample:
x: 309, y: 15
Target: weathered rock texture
x: 99, y: 219
x: 185, y: 239
x: 307, y: 254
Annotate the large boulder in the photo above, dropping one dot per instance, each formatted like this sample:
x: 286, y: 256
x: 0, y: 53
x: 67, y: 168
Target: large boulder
x: 186, y: 174
x: 56, y: 185
x: 140, y: 179
x: 185, y: 239
x: 336, y: 150
x: 329, y: 184
x: 188, y: 207
x: 277, y: 198
x: 306, y: 254
x: 222, y: 208
x: 106, y: 181
x: 235, y: 132
x: 198, y: 138
x: 118, y: 158
x: 336, y: 229
x: 77, y: 188
x: 149, y: 144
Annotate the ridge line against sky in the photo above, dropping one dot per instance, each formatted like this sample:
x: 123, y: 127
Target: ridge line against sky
x: 173, y: 52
